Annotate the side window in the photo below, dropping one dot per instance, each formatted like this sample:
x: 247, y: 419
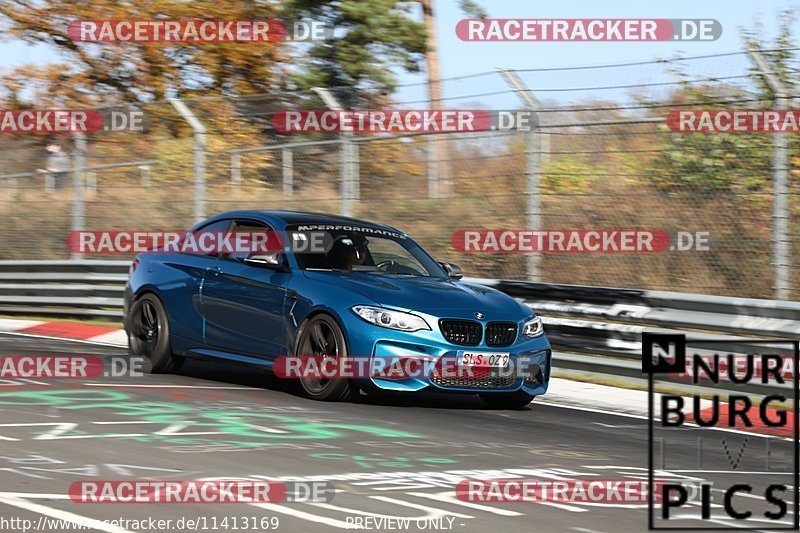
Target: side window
x: 218, y: 226
x: 246, y: 226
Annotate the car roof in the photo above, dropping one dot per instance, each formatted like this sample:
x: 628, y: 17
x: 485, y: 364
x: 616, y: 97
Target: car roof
x: 303, y: 217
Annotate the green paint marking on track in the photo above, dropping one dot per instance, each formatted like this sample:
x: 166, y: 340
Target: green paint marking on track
x: 263, y: 428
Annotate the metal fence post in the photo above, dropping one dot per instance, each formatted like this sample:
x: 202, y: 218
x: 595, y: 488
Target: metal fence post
x: 780, y: 211
x: 78, y: 207
x: 91, y: 182
x: 199, y: 208
x: 349, y: 176
x: 346, y: 187
x: 533, y: 151
x: 355, y: 171
x: 780, y: 178
x: 144, y: 174
x: 287, y: 166
x: 236, y: 169
x: 432, y: 153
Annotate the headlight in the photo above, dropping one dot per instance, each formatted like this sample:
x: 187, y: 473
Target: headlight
x: 533, y: 327
x: 387, y: 318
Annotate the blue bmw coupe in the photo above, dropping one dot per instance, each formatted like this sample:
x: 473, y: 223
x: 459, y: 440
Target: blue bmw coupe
x: 366, y: 292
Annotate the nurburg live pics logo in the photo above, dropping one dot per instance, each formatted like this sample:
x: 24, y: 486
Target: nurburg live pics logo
x: 760, y: 488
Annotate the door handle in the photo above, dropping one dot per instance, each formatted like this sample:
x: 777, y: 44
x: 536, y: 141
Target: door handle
x: 214, y: 271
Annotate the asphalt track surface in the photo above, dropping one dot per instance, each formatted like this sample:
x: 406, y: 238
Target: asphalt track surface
x: 388, y: 456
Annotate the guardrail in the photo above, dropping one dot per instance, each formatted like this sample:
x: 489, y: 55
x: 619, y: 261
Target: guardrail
x: 63, y: 288
x: 594, y: 329
x: 599, y: 329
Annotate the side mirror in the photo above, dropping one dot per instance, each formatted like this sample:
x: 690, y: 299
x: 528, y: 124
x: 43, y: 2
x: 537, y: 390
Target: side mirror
x: 452, y: 269
x: 276, y: 261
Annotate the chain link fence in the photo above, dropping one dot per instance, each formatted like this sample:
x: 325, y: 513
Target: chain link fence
x: 600, y: 157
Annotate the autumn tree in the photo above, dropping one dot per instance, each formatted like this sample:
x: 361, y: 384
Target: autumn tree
x: 372, y: 40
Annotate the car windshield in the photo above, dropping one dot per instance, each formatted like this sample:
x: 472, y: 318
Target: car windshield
x: 360, y: 250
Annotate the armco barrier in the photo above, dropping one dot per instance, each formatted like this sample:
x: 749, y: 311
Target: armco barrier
x: 591, y: 328
x: 63, y: 288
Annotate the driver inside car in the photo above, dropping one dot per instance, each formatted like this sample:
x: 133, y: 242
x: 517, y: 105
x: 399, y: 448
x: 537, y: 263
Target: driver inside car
x: 348, y: 250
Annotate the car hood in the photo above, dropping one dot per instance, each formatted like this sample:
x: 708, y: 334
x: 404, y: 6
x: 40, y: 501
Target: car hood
x: 427, y: 294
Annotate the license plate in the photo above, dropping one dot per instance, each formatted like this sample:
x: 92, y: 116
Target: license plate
x: 483, y: 359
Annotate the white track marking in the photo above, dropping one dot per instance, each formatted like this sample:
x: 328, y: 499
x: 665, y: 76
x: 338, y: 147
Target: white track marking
x: 297, y: 513
x: 167, y: 385
x: 59, y: 429
x: 435, y: 512
x: 431, y: 512
x: 724, y: 472
x: 447, y: 497
x: 115, y: 338
x: 11, y: 325
x: 34, y: 495
x: 37, y: 336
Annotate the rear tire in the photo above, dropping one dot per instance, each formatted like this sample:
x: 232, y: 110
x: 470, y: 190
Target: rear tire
x: 148, y: 335
x: 507, y: 400
x: 322, y: 336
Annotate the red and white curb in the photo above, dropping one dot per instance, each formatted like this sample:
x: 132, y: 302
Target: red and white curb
x: 65, y: 330
x: 595, y: 398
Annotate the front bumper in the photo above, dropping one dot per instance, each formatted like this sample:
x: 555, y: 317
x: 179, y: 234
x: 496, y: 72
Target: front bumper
x: 529, y: 359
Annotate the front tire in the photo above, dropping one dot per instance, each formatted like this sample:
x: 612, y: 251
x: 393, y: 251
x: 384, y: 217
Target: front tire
x: 148, y: 335
x: 507, y: 400
x: 321, y: 336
